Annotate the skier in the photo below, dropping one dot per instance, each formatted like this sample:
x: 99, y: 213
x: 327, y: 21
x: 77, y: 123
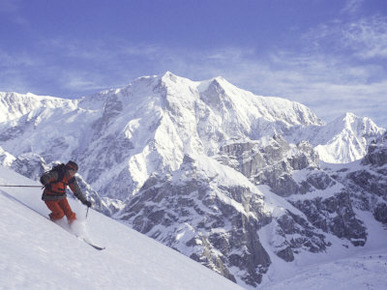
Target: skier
x: 55, y: 183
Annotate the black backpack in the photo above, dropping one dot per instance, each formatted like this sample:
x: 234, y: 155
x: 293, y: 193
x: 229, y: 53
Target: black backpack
x: 60, y: 169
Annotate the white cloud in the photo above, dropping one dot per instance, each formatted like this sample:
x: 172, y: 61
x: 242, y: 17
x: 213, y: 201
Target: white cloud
x: 362, y: 38
x: 76, y: 81
x: 352, y: 6
x: 367, y: 36
x: 13, y: 60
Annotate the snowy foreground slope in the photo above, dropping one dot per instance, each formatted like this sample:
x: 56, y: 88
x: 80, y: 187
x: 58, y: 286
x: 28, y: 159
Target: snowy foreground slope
x: 38, y: 254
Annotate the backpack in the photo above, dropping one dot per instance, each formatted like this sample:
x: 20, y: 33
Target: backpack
x: 60, y: 169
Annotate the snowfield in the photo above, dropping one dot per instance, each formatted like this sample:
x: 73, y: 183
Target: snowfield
x: 38, y: 254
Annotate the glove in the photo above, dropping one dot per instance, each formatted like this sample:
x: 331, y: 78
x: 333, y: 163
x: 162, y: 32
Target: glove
x: 87, y: 203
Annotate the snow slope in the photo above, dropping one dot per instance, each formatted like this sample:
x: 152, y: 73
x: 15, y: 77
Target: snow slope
x: 38, y: 254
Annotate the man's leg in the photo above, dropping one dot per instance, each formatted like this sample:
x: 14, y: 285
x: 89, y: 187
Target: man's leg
x: 64, y: 204
x: 56, y: 211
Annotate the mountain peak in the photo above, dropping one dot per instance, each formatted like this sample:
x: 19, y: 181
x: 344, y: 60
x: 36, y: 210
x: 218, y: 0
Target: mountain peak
x: 349, y: 118
x: 220, y: 82
x: 169, y: 76
x: 362, y: 124
x: 351, y: 136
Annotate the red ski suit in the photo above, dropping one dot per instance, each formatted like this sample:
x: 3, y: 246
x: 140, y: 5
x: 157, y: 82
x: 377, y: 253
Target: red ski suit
x: 54, y: 194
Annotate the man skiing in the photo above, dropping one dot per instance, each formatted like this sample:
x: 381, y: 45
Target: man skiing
x: 55, y: 183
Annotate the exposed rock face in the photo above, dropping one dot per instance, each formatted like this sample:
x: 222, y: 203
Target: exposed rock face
x: 29, y: 165
x: 373, y: 180
x: 193, y: 216
x: 275, y: 165
x: 377, y: 152
x: 360, y: 188
x: 272, y: 163
x: 335, y: 215
x: 380, y: 212
x: 297, y: 234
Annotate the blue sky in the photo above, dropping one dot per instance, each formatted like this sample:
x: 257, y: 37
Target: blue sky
x: 330, y: 55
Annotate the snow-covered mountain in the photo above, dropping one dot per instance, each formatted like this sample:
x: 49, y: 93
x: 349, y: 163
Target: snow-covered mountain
x: 231, y: 179
x: 343, y: 140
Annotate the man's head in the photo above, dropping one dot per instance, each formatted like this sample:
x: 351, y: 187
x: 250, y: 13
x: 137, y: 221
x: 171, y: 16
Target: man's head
x: 71, y: 167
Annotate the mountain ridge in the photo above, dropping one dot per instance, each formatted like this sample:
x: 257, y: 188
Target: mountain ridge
x: 205, y: 166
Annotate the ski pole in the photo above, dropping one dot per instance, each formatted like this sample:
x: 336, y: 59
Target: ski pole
x: 87, y: 211
x: 15, y: 185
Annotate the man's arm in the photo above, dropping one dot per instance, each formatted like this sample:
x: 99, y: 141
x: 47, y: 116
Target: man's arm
x: 73, y: 184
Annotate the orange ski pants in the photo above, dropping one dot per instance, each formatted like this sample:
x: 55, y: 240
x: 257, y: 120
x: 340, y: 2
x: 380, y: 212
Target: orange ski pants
x: 60, y: 208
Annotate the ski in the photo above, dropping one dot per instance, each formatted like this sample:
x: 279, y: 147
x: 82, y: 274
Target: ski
x: 79, y: 237
x: 91, y: 244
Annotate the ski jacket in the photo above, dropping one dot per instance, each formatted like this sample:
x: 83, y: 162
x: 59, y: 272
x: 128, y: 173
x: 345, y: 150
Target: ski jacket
x: 55, y: 183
